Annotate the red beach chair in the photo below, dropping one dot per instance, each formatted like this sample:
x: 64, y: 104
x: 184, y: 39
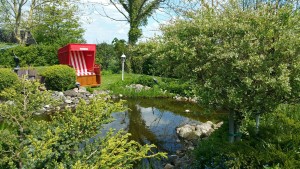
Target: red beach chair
x: 82, y: 58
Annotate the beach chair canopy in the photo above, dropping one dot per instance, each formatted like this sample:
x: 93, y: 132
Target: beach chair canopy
x: 79, y: 56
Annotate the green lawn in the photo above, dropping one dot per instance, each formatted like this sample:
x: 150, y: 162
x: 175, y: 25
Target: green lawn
x: 109, y: 79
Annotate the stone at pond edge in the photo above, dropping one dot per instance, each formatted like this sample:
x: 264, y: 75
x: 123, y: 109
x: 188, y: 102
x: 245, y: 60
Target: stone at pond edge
x: 194, y: 132
x: 168, y: 166
x: 187, y: 132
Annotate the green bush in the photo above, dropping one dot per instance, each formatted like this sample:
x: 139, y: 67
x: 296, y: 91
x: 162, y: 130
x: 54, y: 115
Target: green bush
x: 275, y: 145
x: 7, y: 78
x: 59, y: 77
x: 145, y: 59
x: 145, y: 80
x: 35, y: 55
x: 183, y: 88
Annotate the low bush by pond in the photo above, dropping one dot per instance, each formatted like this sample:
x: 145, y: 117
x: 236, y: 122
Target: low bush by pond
x: 276, y: 145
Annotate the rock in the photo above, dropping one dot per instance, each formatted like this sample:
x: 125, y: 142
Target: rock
x: 138, y: 87
x: 71, y: 93
x: 76, y: 90
x: 172, y: 158
x: 191, y: 148
x: 205, y: 129
x: 187, y: 132
x: 209, y: 122
x: 82, y: 90
x: 47, y: 106
x: 41, y: 111
x: 218, y: 125
x: 182, y: 162
x: 168, y: 166
x: 147, y: 88
x: 68, y: 101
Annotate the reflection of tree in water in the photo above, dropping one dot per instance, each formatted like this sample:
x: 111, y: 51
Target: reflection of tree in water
x: 138, y: 128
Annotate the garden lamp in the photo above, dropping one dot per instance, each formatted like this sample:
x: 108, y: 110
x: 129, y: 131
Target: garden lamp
x: 123, y: 58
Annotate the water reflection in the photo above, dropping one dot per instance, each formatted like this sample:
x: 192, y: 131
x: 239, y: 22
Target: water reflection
x: 153, y: 121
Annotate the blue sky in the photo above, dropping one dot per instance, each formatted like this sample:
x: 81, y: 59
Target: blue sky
x: 100, y: 29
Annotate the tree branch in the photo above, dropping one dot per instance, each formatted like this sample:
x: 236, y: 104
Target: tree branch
x: 115, y: 5
x: 107, y: 16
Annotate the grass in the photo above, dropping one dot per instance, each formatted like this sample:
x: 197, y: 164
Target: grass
x: 108, y: 80
x: 114, y: 83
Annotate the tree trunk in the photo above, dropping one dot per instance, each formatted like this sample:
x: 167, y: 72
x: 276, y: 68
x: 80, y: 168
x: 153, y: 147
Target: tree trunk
x: 257, y: 123
x: 231, y: 126
x: 238, y: 132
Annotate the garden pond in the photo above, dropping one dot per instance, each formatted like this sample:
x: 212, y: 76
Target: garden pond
x: 154, y: 121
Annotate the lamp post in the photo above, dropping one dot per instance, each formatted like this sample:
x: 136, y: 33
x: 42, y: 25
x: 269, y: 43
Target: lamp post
x: 123, y: 58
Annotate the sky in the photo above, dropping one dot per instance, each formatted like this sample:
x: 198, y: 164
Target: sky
x: 100, y: 29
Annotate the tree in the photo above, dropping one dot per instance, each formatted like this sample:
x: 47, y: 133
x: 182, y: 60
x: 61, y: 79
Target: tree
x: 136, y: 13
x: 69, y: 140
x: 244, y: 61
x: 17, y: 17
x: 57, y: 23
x: 20, y: 17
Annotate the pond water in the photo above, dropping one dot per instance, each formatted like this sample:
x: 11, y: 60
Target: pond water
x: 154, y: 121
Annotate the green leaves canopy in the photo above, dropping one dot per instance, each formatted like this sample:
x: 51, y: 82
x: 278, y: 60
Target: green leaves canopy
x: 244, y: 61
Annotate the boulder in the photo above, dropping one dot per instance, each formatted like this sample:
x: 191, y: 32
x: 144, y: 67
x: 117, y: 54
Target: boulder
x: 204, y: 129
x: 187, y: 132
x: 194, y: 132
x: 168, y: 166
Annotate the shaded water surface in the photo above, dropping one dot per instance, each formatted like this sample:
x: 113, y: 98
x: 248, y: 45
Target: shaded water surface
x: 154, y: 121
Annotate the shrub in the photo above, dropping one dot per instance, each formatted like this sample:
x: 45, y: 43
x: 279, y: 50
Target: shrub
x: 7, y: 78
x: 183, y: 88
x: 34, y: 55
x: 59, y: 77
x: 275, y: 145
x: 145, y: 80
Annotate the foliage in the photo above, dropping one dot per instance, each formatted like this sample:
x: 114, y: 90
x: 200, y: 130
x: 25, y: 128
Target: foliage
x: 43, y: 21
x: 69, y: 140
x: 242, y: 60
x: 180, y: 87
x: 22, y: 100
x: 34, y: 55
x: 146, y: 81
x: 144, y: 58
x: 59, y: 77
x: 124, y: 87
x: 7, y: 78
x: 57, y: 23
x: 107, y: 56
x: 276, y: 144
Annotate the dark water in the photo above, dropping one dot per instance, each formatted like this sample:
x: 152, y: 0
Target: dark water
x: 154, y: 121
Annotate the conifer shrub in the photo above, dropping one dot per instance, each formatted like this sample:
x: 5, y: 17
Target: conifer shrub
x: 7, y: 78
x: 59, y: 77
